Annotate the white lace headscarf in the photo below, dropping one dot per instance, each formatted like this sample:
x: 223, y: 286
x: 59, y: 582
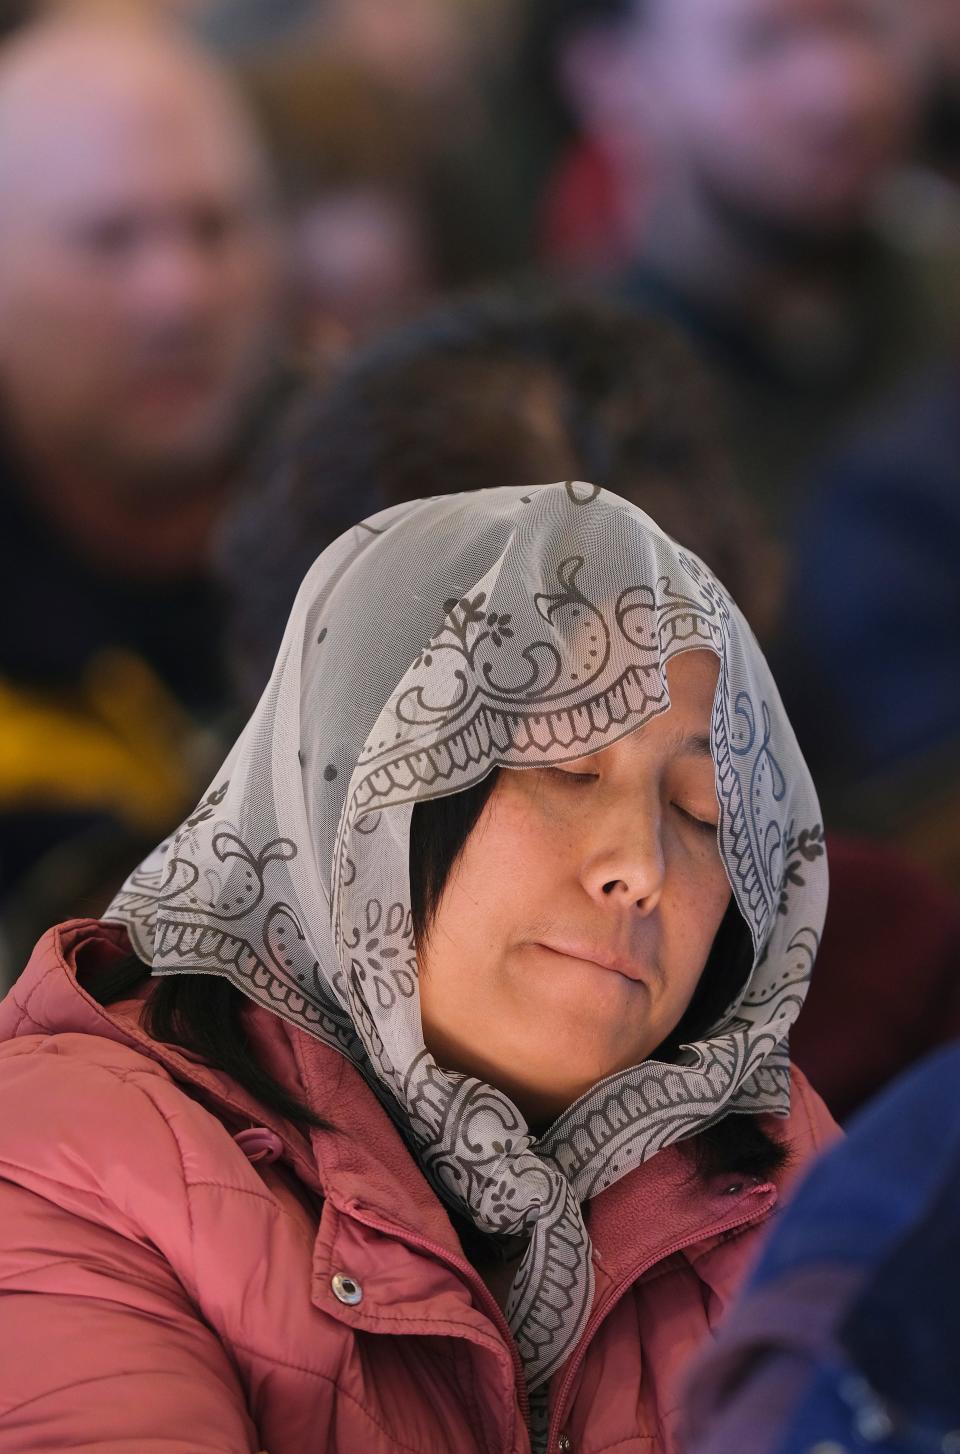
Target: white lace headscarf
x: 434, y: 641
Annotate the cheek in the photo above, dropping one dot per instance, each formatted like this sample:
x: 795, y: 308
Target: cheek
x: 516, y: 840
x: 89, y: 309
x: 254, y: 275
x: 506, y: 869
x: 698, y: 904
x: 712, y: 896
x: 237, y: 297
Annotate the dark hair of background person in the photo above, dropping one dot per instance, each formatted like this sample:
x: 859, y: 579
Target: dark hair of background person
x: 490, y: 391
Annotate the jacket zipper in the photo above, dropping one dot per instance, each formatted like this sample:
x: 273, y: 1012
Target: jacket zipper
x: 477, y: 1285
x: 613, y: 1298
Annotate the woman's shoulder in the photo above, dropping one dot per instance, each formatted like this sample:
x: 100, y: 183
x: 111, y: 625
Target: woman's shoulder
x: 70, y: 1092
x: 76, y: 1074
x: 104, y: 1131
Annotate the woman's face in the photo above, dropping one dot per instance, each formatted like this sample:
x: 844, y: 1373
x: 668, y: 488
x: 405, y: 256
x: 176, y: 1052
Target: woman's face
x: 574, y: 927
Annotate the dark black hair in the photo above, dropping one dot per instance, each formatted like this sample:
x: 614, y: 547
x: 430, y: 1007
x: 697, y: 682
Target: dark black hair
x: 204, y: 1013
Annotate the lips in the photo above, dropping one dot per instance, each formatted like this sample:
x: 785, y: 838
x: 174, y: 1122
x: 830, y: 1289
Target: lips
x: 602, y: 958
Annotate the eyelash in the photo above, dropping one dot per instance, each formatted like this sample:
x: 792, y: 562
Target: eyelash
x: 703, y: 824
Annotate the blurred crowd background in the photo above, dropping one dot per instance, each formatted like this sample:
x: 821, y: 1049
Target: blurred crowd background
x: 267, y: 266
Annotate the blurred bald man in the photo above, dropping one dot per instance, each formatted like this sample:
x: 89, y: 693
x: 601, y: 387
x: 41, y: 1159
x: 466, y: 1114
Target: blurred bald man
x: 136, y: 254
x: 138, y: 306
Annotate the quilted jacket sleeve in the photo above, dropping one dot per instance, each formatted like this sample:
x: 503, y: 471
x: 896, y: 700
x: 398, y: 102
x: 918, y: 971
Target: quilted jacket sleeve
x: 101, y: 1347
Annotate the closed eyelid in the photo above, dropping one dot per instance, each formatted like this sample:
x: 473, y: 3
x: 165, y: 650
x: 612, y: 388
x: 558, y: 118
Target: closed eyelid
x: 707, y: 824
x: 704, y: 824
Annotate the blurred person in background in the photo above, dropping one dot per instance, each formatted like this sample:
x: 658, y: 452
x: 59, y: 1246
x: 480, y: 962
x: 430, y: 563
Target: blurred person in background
x: 760, y: 136
x: 848, y: 1335
x: 398, y: 141
x: 352, y: 156
x: 416, y: 46
x: 500, y: 387
x: 430, y: 52
x: 137, y: 363
x: 871, y: 640
x: 439, y: 71
x: 879, y: 525
x: 593, y: 158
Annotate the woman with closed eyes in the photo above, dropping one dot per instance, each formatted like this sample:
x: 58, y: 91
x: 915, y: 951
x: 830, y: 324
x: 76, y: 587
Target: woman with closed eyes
x: 428, y: 1089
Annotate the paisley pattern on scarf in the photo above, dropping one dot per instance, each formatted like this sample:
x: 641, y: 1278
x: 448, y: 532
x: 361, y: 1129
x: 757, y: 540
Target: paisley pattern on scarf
x: 433, y: 643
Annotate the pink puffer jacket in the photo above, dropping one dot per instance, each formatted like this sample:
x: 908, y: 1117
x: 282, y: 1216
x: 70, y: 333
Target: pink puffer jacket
x: 181, y: 1272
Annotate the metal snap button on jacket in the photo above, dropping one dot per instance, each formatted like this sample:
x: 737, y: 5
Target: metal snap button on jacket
x: 346, y: 1289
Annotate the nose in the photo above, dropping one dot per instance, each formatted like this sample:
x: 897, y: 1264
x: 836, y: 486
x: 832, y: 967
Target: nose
x: 175, y: 277
x: 627, y: 869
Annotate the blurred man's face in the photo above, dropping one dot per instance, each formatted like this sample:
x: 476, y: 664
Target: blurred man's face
x: 136, y: 272
x: 789, y: 111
